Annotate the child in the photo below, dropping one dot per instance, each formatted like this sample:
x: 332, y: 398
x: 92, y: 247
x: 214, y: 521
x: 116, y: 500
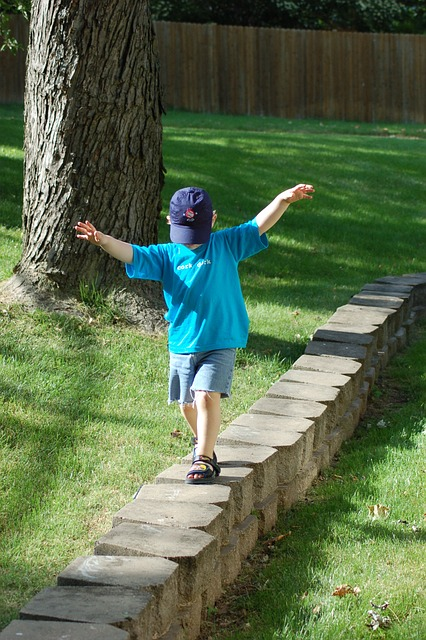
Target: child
x: 206, y: 312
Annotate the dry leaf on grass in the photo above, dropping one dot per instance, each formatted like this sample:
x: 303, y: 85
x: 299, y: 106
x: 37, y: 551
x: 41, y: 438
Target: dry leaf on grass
x: 378, y: 621
x: 346, y: 589
x: 378, y: 511
x: 176, y: 433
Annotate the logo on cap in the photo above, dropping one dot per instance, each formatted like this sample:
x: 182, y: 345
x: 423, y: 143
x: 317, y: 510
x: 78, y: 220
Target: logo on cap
x: 190, y: 215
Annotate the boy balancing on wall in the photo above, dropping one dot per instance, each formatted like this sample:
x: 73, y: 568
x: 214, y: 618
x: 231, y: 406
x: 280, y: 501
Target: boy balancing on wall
x: 205, y: 308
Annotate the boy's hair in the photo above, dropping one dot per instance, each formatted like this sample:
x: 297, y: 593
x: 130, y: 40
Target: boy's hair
x: 191, y: 214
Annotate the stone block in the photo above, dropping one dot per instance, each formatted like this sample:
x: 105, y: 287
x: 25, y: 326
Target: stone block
x: 230, y: 560
x: 363, y: 334
x: 330, y: 396
x: 290, y: 445
x: 334, y: 440
x: 384, y: 357
x: 322, y: 416
x: 188, y: 515
x: 247, y: 532
x: 176, y: 632
x: 329, y: 364
x: 322, y: 456
x: 388, y: 289
x: 155, y: 575
x: 46, y: 630
x: 343, y: 383
x: 266, y: 512
x: 401, y: 338
x: 213, y: 588
x: 261, y: 459
x: 350, y: 420
x: 190, y: 615
x: 278, y: 426
x: 128, y: 609
x: 239, y: 479
x: 194, y: 551
x: 337, y: 349
x: 289, y: 494
x: 202, y: 494
x: 365, y: 299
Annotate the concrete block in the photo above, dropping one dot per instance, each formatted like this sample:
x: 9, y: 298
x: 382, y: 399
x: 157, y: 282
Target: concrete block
x: 322, y: 416
x: 128, y: 609
x: 401, y: 338
x: 334, y: 441
x: 338, y: 349
x: 392, y: 346
x: 44, y: 630
x: 190, y: 616
x: 388, y: 289
x: 230, y: 560
x: 202, y: 494
x: 261, y: 459
x: 363, y: 334
x: 266, y: 512
x: 385, y: 319
x: 329, y: 364
x: 239, y: 479
x: 350, y: 420
x: 176, y: 632
x: 330, y: 396
x: 194, y: 551
x: 213, y: 588
x: 365, y: 299
x: 343, y: 383
x: 259, y: 424
x: 289, y: 494
x: 155, y: 575
x: 247, y: 532
x: 290, y: 445
x: 322, y: 456
x: 384, y: 357
x: 204, y: 517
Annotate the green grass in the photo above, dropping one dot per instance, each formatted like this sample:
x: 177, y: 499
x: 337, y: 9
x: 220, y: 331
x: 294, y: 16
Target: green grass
x: 83, y: 410
x: 329, y: 540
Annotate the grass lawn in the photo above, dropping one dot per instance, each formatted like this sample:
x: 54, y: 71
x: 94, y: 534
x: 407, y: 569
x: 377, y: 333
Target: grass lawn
x: 83, y: 403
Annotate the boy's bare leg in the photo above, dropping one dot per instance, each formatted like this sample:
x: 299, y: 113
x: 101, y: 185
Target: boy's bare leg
x: 189, y: 412
x: 208, y: 423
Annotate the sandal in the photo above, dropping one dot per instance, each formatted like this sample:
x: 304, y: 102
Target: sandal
x: 205, y: 467
x: 194, y: 443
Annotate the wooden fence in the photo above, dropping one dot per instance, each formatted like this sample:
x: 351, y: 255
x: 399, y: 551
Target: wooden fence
x: 285, y: 73
x: 293, y: 74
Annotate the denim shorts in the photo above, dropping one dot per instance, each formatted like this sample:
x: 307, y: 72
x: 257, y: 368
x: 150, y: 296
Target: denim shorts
x: 204, y: 371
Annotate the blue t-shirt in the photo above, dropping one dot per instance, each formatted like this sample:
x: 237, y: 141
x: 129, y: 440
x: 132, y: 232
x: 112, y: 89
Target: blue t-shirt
x: 202, y: 290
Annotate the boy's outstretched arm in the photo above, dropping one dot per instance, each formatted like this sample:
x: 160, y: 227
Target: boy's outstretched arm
x: 272, y: 213
x: 116, y: 248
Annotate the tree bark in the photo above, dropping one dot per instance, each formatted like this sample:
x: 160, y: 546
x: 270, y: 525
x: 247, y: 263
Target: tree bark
x: 93, y: 147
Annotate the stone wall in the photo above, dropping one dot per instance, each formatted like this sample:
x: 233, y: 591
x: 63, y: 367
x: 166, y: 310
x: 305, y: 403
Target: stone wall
x: 173, y: 549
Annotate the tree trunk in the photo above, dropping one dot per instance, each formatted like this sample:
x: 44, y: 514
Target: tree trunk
x: 92, y: 147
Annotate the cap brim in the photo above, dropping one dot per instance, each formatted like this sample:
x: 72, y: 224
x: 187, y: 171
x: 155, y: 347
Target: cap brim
x: 186, y: 235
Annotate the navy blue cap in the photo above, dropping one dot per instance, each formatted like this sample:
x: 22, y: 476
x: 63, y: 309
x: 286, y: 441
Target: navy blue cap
x: 191, y: 214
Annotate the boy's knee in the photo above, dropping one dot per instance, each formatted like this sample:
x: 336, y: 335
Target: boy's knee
x: 206, y: 398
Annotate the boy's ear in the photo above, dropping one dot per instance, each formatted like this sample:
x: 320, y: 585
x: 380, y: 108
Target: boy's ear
x: 168, y: 219
x: 214, y: 218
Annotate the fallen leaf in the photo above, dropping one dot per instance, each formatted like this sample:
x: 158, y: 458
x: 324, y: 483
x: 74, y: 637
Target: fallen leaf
x: 176, y: 433
x: 346, y: 589
x: 378, y: 621
x: 378, y: 511
x: 272, y: 541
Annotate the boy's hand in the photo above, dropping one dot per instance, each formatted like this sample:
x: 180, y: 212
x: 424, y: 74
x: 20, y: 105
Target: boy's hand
x: 86, y: 231
x: 298, y: 192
